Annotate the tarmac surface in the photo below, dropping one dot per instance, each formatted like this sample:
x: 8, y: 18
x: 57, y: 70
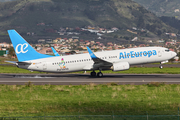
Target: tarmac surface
x: 80, y: 79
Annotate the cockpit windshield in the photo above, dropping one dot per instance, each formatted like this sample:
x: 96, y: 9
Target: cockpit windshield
x: 167, y: 50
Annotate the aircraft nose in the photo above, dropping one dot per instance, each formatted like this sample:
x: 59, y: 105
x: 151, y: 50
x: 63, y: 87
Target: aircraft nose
x: 173, y: 54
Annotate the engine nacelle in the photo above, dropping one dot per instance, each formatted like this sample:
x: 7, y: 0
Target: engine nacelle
x: 120, y: 66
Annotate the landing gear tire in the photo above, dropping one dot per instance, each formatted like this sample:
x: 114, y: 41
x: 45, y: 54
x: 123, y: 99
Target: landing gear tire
x: 93, y: 74
x: 160, y: 67
x: 100, y: 74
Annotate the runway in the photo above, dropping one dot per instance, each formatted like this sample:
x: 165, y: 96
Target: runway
x: 80, y: 79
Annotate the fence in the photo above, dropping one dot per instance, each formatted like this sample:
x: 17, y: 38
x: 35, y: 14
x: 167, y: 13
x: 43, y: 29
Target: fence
x: 113, y: 115
x: 97, y: 117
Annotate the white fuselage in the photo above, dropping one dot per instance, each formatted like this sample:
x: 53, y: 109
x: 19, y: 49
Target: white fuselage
x: 80, y: 62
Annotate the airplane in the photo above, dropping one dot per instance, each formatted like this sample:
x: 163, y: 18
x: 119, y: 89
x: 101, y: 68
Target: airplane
x: 55, y: 52
x: 115, y: 60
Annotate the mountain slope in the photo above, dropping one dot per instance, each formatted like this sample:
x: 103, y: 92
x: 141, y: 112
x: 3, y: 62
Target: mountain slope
x: 25, y: 15
x: 6, y: 0
x: 162, y: 7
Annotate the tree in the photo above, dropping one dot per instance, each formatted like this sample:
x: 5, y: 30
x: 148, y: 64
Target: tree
x: 95, y: 50
x: 11, y: 52
x: 141, y: 23
x: 116, y: 36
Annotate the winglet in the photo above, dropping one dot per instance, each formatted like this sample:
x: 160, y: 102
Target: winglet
x: 96, y: 59
x: 93, y: 56
x: 55, y: 52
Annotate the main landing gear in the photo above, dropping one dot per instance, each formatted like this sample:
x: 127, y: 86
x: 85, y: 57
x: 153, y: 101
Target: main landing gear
x: 99, y: 74
x: 160, y: 66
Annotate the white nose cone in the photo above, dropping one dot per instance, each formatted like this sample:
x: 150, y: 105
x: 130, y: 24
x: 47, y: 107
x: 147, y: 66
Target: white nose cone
x: 173, y: 54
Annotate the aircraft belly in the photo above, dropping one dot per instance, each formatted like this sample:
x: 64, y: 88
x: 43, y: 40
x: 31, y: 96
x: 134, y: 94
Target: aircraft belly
x: 67, y: 68
x: 75, y: 67
x: 23, y: 66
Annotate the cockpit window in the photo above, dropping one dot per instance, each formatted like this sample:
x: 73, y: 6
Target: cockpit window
x: 167, y: 50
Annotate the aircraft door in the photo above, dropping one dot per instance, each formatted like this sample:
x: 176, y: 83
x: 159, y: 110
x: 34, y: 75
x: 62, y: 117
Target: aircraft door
x: 44, y: 65
x: 159, y: 53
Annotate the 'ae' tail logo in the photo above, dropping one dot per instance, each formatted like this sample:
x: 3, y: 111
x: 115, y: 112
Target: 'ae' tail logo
x: 21, y: 48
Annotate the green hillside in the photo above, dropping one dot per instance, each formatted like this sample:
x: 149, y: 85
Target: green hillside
x: 6, y: 0
x: 26, y: 15
x: 162, y: 7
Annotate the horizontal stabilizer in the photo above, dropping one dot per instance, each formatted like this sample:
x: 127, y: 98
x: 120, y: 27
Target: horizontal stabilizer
x: 19, y: 63
x: 13, y: 62
x: 24, y: 63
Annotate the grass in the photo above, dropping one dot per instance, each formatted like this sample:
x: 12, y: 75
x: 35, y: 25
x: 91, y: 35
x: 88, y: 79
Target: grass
x: 14, y: 69
x: 92, y: 99
x: 132, y: 70
x: 3, y: 59
x: 144, y: 70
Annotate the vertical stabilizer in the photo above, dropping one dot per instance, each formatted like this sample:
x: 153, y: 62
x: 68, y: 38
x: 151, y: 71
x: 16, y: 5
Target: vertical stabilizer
x: 24, y: 51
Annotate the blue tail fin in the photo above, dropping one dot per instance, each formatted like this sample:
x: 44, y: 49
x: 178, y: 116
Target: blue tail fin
x: 24, y: 51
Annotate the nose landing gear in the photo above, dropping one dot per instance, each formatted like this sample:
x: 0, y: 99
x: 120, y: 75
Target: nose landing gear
x: 160, y: 66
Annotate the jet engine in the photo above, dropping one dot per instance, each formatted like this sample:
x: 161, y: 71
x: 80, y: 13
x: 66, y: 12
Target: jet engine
x: 120, y: 66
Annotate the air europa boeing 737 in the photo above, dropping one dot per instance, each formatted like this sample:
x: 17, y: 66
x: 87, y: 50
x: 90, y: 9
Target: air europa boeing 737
x: 116, y: 60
